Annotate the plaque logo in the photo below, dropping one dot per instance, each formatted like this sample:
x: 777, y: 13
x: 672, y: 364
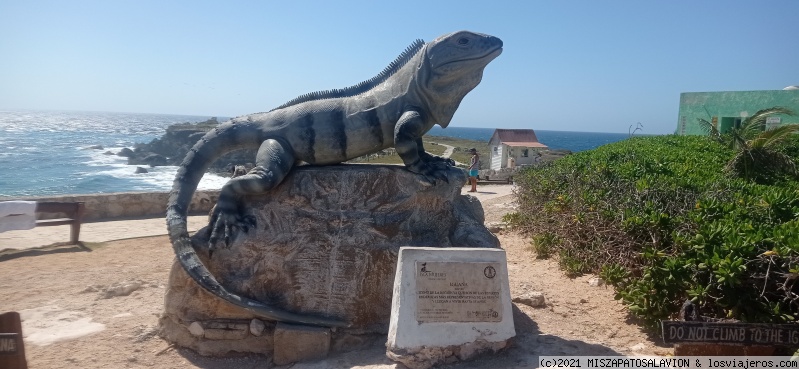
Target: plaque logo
x: 490, y: 272
x: 424, y: 272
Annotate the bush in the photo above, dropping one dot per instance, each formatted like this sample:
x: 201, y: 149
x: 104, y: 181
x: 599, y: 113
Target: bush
x: 657, y: 218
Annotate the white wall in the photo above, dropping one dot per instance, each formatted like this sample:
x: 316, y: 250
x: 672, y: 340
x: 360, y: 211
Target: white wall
x: 497, y: 157
x: 518, y: 152
x: 521, y: 160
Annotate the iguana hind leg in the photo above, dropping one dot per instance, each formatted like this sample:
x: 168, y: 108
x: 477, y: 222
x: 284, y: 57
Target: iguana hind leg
x: 272, y: 164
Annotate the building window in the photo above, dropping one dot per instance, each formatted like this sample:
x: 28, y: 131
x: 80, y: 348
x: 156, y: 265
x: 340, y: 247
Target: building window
x: 524, y: 153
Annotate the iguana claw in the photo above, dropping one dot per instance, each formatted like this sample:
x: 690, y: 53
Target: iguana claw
x: 431, y: 172
x: 437, y: 160
x: 226, y: 226
x: 441, y: 175
x: 441, y: 166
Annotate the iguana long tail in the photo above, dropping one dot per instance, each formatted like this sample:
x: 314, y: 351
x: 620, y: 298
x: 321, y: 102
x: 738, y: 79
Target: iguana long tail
x: 221, y: 140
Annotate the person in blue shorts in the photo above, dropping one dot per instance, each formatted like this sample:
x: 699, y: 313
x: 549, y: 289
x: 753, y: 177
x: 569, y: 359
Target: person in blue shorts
x: 474, y: 165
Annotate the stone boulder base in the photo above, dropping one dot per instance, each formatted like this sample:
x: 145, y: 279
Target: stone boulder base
x: 326, y: 243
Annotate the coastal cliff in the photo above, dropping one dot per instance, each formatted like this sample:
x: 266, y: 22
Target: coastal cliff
x: 171, y: 148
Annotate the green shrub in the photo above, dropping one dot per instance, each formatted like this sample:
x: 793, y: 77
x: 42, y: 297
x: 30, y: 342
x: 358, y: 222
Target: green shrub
x: 544, y: 244
x: 658, y: 218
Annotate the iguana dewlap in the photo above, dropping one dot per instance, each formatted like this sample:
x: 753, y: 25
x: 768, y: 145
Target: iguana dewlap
x: 421, y: 88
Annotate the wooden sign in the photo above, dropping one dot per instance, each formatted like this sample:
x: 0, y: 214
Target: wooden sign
x: 9, y: 343
x: 12, y: 350
x: 731, y: 333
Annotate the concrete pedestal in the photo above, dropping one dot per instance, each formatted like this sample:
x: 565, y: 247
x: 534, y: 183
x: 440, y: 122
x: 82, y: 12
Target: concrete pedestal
x: 449, y: 305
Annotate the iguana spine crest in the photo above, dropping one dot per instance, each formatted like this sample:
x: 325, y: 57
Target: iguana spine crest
x: 364, y: 86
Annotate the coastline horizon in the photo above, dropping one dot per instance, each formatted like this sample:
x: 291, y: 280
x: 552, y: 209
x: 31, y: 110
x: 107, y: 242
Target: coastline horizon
x: 74, y: 152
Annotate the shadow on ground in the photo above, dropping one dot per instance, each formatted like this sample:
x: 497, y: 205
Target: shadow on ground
x: 56, y: 248
x: 484, y: 192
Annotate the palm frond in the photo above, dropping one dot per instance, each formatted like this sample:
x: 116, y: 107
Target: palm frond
x: 758, y: 158
x: 738, y: 140
x: 774, y: 136
x: 761, y: 165
x: 756, y: 123
x: 710, y: 130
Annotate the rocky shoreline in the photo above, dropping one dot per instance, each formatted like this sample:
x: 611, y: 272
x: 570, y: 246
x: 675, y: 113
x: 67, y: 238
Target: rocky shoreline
x: 172, y: 147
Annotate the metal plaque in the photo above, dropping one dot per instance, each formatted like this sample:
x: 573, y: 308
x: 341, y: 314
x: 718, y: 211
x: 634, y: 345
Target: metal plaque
x: 458, y: 292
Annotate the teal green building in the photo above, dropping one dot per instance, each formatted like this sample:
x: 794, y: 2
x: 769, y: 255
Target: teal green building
x: 727, y: 109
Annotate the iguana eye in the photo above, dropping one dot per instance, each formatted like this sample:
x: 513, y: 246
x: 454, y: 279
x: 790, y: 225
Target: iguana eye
x: 463, y: 41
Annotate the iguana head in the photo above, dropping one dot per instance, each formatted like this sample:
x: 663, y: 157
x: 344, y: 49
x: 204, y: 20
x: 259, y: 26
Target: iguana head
x: 453, y: 65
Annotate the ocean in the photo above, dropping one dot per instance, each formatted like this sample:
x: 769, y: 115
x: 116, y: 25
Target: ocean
x: 574, y: 141
x: 46, y: 153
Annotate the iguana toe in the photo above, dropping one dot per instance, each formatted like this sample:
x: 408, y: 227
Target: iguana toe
x: 439, y: 165
x: 441, y: 175
x: 247, y: 222
x: 438, y: 160
x: 226, y: 227
x: 434, y: 173
x: 437, y: 170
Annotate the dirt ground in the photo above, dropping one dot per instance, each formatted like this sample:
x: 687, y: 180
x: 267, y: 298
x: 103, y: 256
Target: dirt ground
x: 76, y: 314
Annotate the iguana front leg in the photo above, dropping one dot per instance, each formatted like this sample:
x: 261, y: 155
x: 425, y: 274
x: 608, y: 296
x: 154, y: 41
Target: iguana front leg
x: 435, y: 160
x: 272, y: 163
x: 408, y: 143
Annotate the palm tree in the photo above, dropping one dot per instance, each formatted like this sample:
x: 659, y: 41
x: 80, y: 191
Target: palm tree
x: 757, y: 156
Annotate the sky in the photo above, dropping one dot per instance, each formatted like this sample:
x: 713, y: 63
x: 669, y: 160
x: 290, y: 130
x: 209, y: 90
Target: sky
x: 568, y: 65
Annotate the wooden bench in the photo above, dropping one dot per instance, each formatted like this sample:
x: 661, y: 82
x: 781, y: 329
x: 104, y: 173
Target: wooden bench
x: 74, y: 215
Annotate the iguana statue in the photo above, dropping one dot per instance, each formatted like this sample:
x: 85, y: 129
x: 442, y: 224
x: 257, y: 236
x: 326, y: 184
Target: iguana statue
x: 421, y: 88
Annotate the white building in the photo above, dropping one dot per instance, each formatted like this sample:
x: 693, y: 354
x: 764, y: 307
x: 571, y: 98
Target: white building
x: 519, y: 144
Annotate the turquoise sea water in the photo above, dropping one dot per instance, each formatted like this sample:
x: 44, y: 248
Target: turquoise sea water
x: 48, y: 152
